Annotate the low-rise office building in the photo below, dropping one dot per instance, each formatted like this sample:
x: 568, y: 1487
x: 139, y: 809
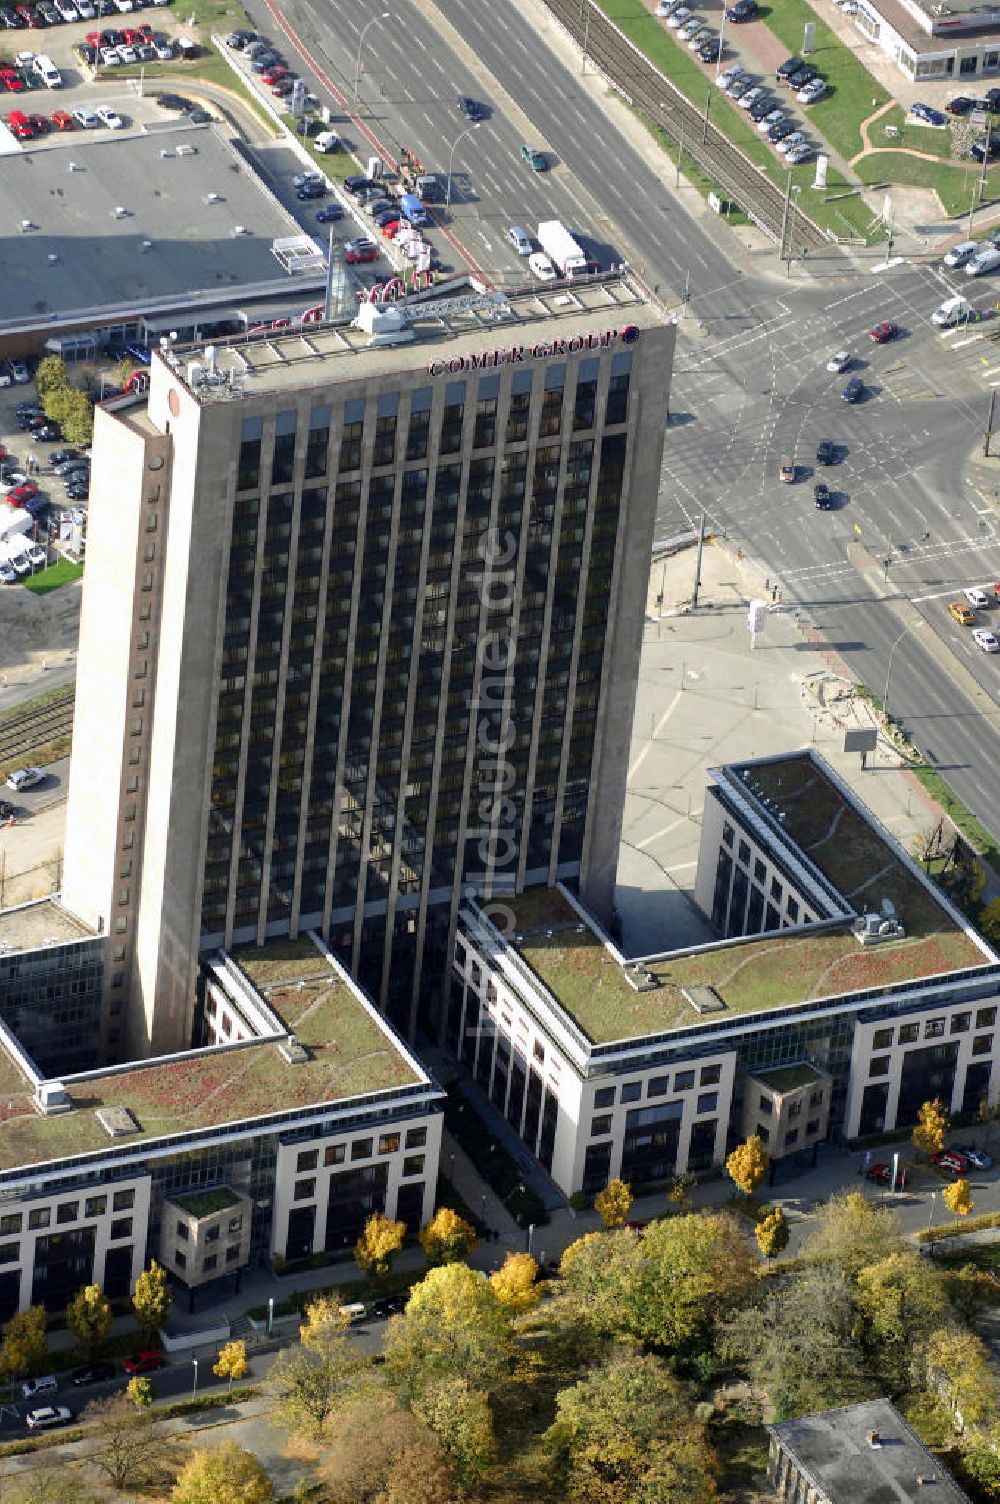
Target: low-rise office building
x: 843, y: 991
x: 927, y: 40
x: 300, y: 1115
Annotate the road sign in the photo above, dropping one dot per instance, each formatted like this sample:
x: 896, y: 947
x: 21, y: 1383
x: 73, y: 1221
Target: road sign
x: 863, y: 739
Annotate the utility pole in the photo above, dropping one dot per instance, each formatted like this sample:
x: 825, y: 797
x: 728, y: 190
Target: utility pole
x: 972, y: 210
x: 989, y: 425
x: 704, y: 123
x: 697, y: 562
x: 784, y: 218
x: 680, y: 153
x: 986, y: 157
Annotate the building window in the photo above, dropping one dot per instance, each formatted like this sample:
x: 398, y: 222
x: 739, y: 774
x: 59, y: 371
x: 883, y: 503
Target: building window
x: 10, y: 1223
x: 744, y: 853
x: 68, y: 1211
x: 711, y: 1075
x: 361, y: 1148
x: 604, y: 1096
x: 908, y: 1033
x: 765, y: 1105
x: 9, y: 1253
x: 960, y: 1023
x: 794, y: 1110
x: 305, y: 1189
x: 307, y: 1160
x: 538, y: 1050
x: 764, y: 1134
x: 215, y: 1233
x: 982, y: 1044
x: 792, y: 909
x: 657, y: 1086
x: 882, y: 1039
x: 416, y: 1138
x: 600, y: 1126
x: 182, y: 1231
x: 388, y: 1143
x: 122, y: 1228
x: 986, y: 1018
x: 41, y: 1216
x: 812, y: 1127
x: 232, y: 1254
x: 180, y: 1259
x: 248, y: 467
x: 727, y: 834
x: 791, y: 1137
x: 334, y: 1154
x: 816, y: 1097
x: 878, y: 1065
x: 934, y: 1028
x: 684, y: 1080
x: 210, y: 1263
x: 235, y: 1224
x: 123, y: 1201
x: 708, y: 1101
x: 777, y: 891
x: 283, y: 455
x: 413, y: 1164
x: 759, y: 871
x: 631, y: 1091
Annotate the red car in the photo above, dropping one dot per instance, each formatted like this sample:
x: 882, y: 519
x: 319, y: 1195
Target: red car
x: 391, y: 229
x: 884, y: 331
x: 12, y: 80
x: 883, y: 1174
x: 62, y: 121
x: 40, y: 124
x: 950, y: 1160
x: 20, y: 125
x: 360, y: 250
x: 273, y: 75
x: 145, y: 1362
x: 29, y: 16
x: 22, y: 493
x: 93, y: 39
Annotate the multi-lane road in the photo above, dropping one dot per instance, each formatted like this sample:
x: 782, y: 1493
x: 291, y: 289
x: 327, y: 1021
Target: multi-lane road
x: 750, y: 382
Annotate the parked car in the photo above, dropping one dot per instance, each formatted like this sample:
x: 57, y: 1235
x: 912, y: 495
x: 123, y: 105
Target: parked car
x: 743, y: 10
x: 147, y: 1361
x: 21, y: 779
x: 800, y: 152
x: 952, y: 1161
x: 93, y: 1373
x: 822, y: 497
x: 356, y: 251
x: 312, y: 190
x: 854, y: 390
x: 22, y: 494
x: 884, y: 332
x: 329, y: 213
x: 826, y: 452
x: 963, y: 614
x: 85, y: 119
x: 839, y: 361
x: 977, y: 1157
x: 109, y: 117
x: 927, y: 114
x: 47, y: 1416
x: 960, y: 105
x: 883, y: 1174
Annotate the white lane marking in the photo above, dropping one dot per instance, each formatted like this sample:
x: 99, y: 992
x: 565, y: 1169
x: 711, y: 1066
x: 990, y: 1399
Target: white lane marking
x: 641, y: 845
x: 657, y: 728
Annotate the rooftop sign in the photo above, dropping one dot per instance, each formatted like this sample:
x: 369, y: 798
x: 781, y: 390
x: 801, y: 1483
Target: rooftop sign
x: 508, y: 355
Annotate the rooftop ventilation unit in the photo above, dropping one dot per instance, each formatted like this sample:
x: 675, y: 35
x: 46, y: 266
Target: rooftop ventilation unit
x: 704, y: 1000
x: 213, y: 198
x: 187, y: 151
x: 51, y: 1098
x: 117, y: 1122
x: 639, y: 979
x: 240, y: 230
x: 292, y: 1052
x: 872, y: 929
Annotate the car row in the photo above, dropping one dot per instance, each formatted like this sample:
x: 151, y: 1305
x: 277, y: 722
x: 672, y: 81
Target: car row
x: 54, y: 12
x: 959, y: 1159
x: 697, y: 34
x: 773, y: 121
x: 44, y: 1417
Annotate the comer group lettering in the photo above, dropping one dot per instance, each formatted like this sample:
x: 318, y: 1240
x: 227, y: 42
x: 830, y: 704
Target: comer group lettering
x: 510, y: 355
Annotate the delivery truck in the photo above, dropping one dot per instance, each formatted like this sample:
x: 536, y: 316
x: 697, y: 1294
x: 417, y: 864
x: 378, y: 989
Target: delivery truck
x: 559, y: 245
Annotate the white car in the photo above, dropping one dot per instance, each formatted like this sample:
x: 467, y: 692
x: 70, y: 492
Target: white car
x: 67, y: 10
x: 738, y: 87
x: 110, y: 58
x: 751, y: 97
x: 728, y: 75
x: 699, y: 38
x: 19, y: 563
x: 302, y: 178
x: 8, y: 576
x: 48, y: 1415
x: 109, y: 117
x: 85, y: 118
x: 679, y: 18
x: 25, y: 778
x: 23, y: 59
x: 127, y: 54
x: 987, y: 640
x: 961, y: 253
x: 774, y: 118
x: 687, y: 31
x: 839, y: 362
x: 979, y: 599
x: 813, y: 90
x: 164, y: 50
x: 541, y: 267
x: 86, y: 9
x: 797, y: 138
x: 665, y: 8
x: 36, y: 555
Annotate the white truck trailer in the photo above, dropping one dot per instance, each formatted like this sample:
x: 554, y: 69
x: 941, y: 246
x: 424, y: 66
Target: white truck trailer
x: 558, y: 244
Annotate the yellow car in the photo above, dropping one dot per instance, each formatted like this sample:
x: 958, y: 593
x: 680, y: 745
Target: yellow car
x: 963, y: 614
x: 786, y: 470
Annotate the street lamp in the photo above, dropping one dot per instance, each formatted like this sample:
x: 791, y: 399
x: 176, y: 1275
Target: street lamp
x: 375, y: 21
x: 460, y: 137
x: 270, y: 1314
x: 913, y: 627
x: 194, y: 1386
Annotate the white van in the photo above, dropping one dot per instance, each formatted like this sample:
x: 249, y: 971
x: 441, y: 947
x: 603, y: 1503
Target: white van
x: 327, y: 141
x: 986, y: 260
x: 961, y: 253
x: 953, y: 311
x: 46, y: 70
x: 32, y: 1388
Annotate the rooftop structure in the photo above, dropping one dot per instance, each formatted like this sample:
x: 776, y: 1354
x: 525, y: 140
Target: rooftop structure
x: 116, y: 226
x: 42, y: 922
x: 346, y: 1052
x: 858, y: 1454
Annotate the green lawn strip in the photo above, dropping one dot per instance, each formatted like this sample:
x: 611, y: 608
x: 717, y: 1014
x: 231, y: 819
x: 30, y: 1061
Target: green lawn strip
x: 63, y: 572
x: 976, y: 834
x: 51, y: 697
x: 954, y: 185
x: 843, y: 216
x: 954, y: 1229
x: 909, y: 135
x: 851, y: 89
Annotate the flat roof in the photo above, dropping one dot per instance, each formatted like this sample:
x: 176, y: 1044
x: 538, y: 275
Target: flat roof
x: 100, y: 261
x: 447, y: 322
x: 833, y: 1450
x: 349, y: 1054
x: 32, y: 926
x: 761, y: 972
x: 786, y: 1078
x: 948, y: 38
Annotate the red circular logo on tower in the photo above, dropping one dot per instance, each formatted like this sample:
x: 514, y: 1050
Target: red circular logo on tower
x: 174, y: 402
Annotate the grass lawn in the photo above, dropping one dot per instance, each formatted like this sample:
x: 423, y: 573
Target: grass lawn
x: 851, y: 88
x: 954, y: 185
x: 60, y: 573
x: 915, y: 137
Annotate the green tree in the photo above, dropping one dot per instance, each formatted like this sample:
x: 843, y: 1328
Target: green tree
x: 902, y: 1300
x: 957, y: 1197
x: 151, y: 1300
x: 126, y: 1446
x: 228, y: 1474
x: 516, y: 1282
x: 74, y: 412
x: 797, y: 1341
x: 981, y: 1461
x: 852, y: 1231
x: 454, y: 1327
x: 626, y: 1433
x: 958, y: 1363
x: 89, y: 1317
x: 748, y: 1164
x: 771, y: 1233
x: 614, y: 1203
x: 461, y: 1419
x: 989, y: 921
x: 51, y: 376
x: 323, y: 1373
x: 232, y: 1362
x: 378, y: 1245
x: 447, y: 1238
x: 140, y: 1391
x: 932, y: 1125
x: 24, y: 1349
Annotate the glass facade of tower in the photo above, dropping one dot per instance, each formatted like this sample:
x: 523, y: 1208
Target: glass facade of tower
x: 387, y: 550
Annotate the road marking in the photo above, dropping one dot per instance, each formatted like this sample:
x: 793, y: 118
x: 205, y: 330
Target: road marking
x: 641, y: 845
x: 658, y: 727
x: 959, y: 343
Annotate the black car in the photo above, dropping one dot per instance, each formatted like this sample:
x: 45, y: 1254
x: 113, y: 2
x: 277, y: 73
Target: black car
x: 358, y: 187
x: 312, y: 190
x: 711, y: 51
x: 240, y: 38
x: 49, y: 433
x: 789, y: 66
x: 28, y: 410
x: 799, y: 80
x: 977, y: 151
x: 854, y: 390
x: 470, y: 108
x: 93, y: 1373
x: 173, y: 102
x: 10, y: 20
x: 78, y: 493
x: 826, y: 452
x: 743, y: 10
x: 64, y: 456
x: 781, y: 130
x: 960, y: 105
x: 821, y: 491
x: 761, y: 108
x: 7, y: 811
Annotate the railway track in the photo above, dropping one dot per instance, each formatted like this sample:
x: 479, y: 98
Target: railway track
x: 630, y: 72
x: 23, y: 732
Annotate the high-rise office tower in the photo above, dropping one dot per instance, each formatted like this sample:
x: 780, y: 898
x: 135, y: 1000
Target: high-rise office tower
x: 360, y: 632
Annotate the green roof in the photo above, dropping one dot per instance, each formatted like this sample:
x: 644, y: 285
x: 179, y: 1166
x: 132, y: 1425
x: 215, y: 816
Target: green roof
x: 200, y: 1204
x: 787, y: 1078
x: 349, y: 1055
x: 771, y: 970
